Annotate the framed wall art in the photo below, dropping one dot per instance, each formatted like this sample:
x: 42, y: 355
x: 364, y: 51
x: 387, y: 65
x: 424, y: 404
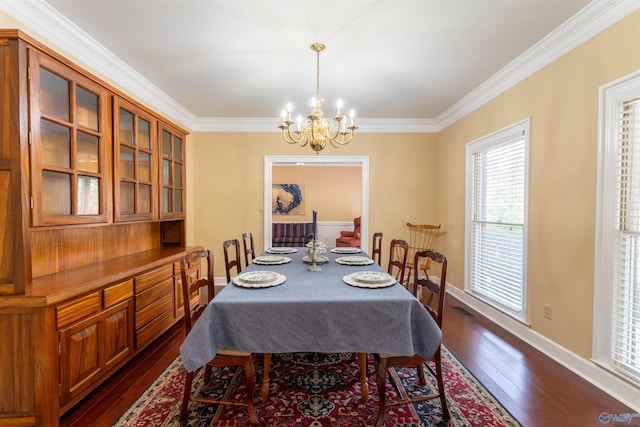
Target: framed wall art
x: 287, y: 199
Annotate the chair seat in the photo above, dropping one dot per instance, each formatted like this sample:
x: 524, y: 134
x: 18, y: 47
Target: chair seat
x: 388, y: 355
x: 229, y: 352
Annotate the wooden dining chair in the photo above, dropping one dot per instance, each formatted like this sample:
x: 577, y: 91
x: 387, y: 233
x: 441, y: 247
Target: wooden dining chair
x: 422, y: 237
x: 385, y: 361
x: 398, y: 252
x: 224, y: 357
x: 231, y: 257
x: 249, y: 251
x: 376, y: 252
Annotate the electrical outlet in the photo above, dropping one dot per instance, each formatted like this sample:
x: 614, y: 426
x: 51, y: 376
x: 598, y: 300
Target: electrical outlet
x: 547, y: 311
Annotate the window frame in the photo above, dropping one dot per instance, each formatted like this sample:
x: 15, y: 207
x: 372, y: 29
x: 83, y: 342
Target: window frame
x: 510, y: 133
x: 611, y: 96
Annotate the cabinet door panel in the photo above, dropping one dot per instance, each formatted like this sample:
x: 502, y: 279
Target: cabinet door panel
x: 80, y: 358
x: 118, y: 342
x: 91, y: 347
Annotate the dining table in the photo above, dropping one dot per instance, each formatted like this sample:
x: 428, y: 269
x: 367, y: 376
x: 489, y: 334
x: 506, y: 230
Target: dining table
x: 283, y: 307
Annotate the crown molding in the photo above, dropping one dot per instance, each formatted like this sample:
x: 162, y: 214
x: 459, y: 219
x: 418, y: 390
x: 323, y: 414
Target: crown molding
x: 60, y: 31
x: 591, y: 20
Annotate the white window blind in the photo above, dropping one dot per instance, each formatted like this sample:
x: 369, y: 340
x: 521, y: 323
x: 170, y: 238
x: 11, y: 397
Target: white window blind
x: 497, y: 213
x: 625, y: 322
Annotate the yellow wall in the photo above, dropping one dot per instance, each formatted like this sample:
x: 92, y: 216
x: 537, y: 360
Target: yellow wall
x: 226, y: 190
x: 334, y: 191
x: 562, y: 102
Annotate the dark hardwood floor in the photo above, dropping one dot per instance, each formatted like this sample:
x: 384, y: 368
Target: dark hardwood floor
x: 536, y: 390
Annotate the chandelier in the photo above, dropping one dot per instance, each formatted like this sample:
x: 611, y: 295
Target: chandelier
x: 317, y: 130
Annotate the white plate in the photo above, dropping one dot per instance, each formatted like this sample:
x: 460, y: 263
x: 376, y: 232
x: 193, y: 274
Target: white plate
x: 350, y: 280
x: 282, y: 250
x: 346, y: 250
x: 354, y: 260
x: 271, y: 259
x: 278, y: 279
x: 321, y: 260
x: 371, y: 276
x: 258, y: 276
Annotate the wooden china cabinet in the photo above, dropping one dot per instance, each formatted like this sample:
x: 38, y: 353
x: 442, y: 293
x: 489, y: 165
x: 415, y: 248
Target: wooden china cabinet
x: 92, y: 227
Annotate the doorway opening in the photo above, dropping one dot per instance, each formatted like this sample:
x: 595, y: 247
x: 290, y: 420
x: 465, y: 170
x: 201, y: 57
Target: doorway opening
x: 361, y: 161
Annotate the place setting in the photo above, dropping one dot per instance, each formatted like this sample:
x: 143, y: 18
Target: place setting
x: 282, y: 250
x: 369, y: 279
x: 354, y: 260
x: 271, y: 260
x: 346, y: 250
x: 259, y: 279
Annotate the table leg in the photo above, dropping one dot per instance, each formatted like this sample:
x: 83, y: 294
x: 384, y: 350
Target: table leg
x: 364, y: 383
x: 265, y: 376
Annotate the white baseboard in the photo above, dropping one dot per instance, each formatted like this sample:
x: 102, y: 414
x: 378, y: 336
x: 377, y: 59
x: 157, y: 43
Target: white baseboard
x: 611, y: 384
x: 328, y: 232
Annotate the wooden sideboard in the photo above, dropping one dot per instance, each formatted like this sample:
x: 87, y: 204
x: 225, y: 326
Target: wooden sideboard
x: 62, y: 341
x: 92, y: 228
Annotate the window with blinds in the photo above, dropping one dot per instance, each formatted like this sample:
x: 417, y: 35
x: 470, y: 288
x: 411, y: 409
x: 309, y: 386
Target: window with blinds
x: 616, y: 344
x: 496, y: 212
x: 626, y: 290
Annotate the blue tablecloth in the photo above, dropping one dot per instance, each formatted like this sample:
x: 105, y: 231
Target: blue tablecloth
x: 312, y: 312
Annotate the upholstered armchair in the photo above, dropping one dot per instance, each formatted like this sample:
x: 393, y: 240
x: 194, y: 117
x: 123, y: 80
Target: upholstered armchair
x: 350, y: 238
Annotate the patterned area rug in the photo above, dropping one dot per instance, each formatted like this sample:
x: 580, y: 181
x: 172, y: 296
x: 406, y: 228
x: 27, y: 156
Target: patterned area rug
x: 317, y: 390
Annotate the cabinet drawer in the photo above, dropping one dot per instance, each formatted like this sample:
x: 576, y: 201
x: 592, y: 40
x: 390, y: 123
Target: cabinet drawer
x: 153, y: 294
x: 152, y: 330
x: 155, y: 309
x: 116, y: 293
x: 79, y: 308
x: 147, y: 280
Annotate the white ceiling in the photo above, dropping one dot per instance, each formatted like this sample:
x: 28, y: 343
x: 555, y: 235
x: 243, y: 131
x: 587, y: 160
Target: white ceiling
x: 408, y: 61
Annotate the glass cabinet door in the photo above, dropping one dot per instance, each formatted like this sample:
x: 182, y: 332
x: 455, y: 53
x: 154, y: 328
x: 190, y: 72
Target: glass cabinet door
x: 135, y: 194
x: 172, y: 195
x: 69, y: 136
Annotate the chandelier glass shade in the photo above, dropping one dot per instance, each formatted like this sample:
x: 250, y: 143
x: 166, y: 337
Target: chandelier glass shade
x: 316, y: 130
